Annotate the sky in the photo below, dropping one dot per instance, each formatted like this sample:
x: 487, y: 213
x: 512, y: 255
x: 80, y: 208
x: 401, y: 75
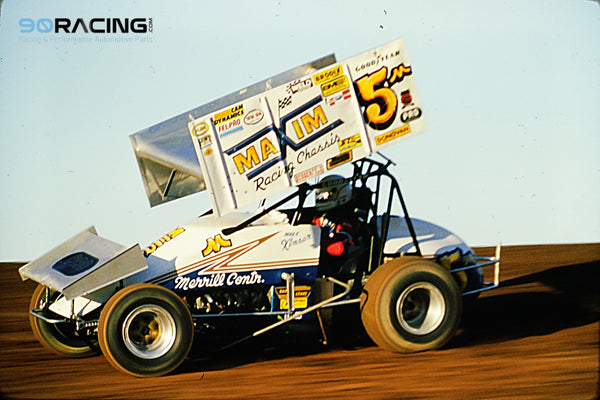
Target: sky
x: 510, y: 93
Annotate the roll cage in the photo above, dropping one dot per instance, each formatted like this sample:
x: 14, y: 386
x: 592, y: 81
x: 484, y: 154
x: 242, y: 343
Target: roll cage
x: 374, y: 189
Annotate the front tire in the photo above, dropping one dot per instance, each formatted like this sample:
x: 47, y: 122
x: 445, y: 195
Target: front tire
x: 411, y: 304
x: 145, y: 330
x: 61, y: 338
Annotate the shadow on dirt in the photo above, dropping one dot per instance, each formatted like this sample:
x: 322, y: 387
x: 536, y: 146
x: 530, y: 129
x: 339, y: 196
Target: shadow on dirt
x: 541, y: 304
x: 536, y: 304
x: 293, y: 340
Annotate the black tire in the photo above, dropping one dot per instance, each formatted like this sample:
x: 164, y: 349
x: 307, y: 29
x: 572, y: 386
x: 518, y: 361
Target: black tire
x: 145, y: 330
x: 61, y: 338
x: 411, y: 304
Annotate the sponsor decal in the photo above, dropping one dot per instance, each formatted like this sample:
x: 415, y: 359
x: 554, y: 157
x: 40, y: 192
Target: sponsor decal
x: 257, y: 153
x: 218, y: 280
x: 301, y: 294
x: 411, y: 115
x: 229, y: 127
x: 306, y: 175
x: 339, y: 160
x: 214, y: 245
x: 187, y: 283
x: 350, y: 143
x: 377, y: 60
x: 223, y: 262
x: 406, y: 98
x: 335, y: 86
x: 393, y: 134
x: 262, y: 182
x: 376, y: 95
x: 309, y: 122
x: 200, y: 129
x: 311, y: 151
x: 283, y: 103
x: 253, y: 117
x: 249, y: 158
x: 205, y: 141
x: 158, y: 243
x: 298, y: 85
x: 293, y: 239
x: 328, y: 74
x: 345, y: 95
x: 244, y: 279
x: 229, y: 114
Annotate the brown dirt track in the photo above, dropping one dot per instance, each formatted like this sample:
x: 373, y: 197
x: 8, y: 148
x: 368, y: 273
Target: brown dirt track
x: 536, y: 337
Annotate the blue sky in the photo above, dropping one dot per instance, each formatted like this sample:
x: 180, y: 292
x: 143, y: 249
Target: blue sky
x: 510, y: 92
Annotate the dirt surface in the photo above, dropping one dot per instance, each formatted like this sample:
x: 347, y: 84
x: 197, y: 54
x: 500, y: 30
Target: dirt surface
x: 536, y: 337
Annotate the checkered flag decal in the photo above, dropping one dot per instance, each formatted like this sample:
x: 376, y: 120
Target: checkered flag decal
x: 286, y: 101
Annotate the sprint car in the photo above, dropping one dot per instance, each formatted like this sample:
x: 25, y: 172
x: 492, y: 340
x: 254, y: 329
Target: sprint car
x: 288, y: 261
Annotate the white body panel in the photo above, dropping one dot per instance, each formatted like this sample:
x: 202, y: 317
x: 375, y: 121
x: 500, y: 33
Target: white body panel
x: 433, y: 239
x: 201, y: 256
x: 197, y: 255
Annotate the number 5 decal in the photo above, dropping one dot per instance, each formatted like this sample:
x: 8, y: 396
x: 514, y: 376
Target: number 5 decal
x: 380, y: 102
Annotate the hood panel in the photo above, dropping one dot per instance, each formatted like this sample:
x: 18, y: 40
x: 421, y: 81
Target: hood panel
x: 433, y: 239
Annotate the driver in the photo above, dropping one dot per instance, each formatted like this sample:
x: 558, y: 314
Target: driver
x: 333, y: 198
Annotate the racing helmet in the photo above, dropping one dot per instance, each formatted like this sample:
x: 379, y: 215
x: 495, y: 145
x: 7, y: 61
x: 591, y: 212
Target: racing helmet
x: 333, y: 191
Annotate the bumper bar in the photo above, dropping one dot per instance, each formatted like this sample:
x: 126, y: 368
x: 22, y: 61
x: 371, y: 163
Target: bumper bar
x: 481, y: 263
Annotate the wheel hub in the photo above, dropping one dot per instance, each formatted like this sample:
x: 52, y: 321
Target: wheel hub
x: 149, y: 331
x: 421, y: 308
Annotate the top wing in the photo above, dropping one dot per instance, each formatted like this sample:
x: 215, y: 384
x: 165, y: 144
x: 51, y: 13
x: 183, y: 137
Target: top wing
x: 165, y: 152
x: 282, y: 131
x: 279, y: 138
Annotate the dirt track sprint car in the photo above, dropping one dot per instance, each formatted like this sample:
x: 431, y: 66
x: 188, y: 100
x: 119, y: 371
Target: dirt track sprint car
x: 316, y: 245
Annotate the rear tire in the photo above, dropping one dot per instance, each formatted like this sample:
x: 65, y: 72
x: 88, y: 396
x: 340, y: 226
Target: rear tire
x: 411, y: 304
x: 145, y: 330
x: 61, y: 338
